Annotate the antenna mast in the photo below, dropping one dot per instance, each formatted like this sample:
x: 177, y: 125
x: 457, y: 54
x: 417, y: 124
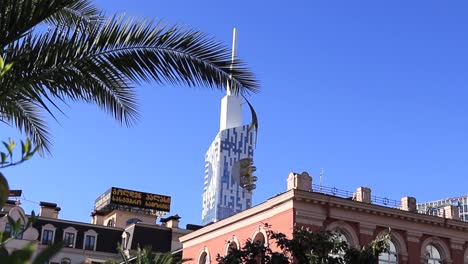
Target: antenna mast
x: 322, y: 173
x: 233, y: 58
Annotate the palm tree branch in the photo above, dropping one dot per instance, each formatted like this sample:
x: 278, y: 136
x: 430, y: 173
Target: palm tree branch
x: 17, y: 17
x: 25, y: 115
x: 78, y: 12
x: 175, y: 56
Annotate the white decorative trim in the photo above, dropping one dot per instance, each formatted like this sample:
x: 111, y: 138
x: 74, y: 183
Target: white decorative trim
x: 440, y: 245
x: 398, y: 241
x: 125, y: 240
x: 234, y: 240
x: 204, y: 250
x: 48, y: 227
x: 93, y: 233
x: 70, y: 230
x: 261, y: 230
x: 346, y: 230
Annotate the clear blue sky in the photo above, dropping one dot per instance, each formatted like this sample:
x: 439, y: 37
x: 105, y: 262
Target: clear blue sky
x: 373, y: 92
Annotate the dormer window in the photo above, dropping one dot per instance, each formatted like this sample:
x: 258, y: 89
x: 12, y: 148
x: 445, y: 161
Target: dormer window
x: 48, y: 234
x: 90, y: 240
x: 18, y: 235
x: 47, y: 237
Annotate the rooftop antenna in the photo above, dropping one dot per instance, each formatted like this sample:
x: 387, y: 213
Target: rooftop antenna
x: 233, y: 58
x: 322, y: 173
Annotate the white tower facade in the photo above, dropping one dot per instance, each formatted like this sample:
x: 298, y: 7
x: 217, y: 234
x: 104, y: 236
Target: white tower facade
x: 223, y: 194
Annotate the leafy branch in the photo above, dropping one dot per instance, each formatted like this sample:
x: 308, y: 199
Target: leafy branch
x: 6, y: 157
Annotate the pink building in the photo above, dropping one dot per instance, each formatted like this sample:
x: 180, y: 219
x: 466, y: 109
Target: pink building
x: 359, y: 217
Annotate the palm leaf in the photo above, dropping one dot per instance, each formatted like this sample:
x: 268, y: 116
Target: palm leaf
x: 100, y: 62
x: 76, y: 14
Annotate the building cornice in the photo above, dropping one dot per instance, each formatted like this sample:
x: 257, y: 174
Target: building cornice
x: 270, y: 207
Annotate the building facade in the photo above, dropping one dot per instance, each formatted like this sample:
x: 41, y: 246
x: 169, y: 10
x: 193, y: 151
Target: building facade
x: 433, y: 208
x: 359, y: 217
x: 113, y: 225
x: 223, y: 193
x: 227, y: 192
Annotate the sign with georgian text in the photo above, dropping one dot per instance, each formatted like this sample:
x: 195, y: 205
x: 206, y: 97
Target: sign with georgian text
x: 133, y: 198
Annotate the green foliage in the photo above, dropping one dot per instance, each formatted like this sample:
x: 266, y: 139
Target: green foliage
x: 306, y: 246
x: 86, y: 56
x: 6, y: 156
x: 17, y: 227
x: 146, y: 256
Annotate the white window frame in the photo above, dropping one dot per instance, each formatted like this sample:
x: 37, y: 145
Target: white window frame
x: 261, y: 231
x: 231, y: 241
x: 207, y: 256
x: 90, y: 233
x: 71, y: 230
x: 48, y: 227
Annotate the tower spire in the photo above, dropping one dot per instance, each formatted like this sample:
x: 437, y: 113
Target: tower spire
x: 231, y: 104
x: 233, y: 58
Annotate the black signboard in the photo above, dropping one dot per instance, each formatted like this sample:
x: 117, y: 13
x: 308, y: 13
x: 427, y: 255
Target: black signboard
x: 15, y: 193
x: 140, y: 199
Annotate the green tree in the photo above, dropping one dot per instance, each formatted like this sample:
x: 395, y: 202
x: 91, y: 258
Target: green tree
x: 306, y: 246
x: 146, y: 256
x: 24, y: 255
x: 67, y: 50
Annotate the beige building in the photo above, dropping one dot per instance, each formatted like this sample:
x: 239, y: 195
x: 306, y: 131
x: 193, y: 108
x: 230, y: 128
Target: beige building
x: 113, y: 224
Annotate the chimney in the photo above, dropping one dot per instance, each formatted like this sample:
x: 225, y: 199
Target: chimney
x: 450, y: 212
x: 408, y: 204
x: 299, y: 181
x: 363, y: 194
x: 171, y: 221
x: 9, y: 205
x: 49, y: 210
x: 97, y: 218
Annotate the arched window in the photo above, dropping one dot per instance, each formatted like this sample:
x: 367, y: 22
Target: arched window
x: 435, y: 250
x: 432, y: 255
x: 343, y: 238
x: 346, y: 230
x: 204, y: 257
x: 232, y: 246
x: 259, y: 238
x: 390, y: 257
x: 232, y: 243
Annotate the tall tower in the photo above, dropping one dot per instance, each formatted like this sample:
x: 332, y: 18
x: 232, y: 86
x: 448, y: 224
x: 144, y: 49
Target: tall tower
x: 228, y: 162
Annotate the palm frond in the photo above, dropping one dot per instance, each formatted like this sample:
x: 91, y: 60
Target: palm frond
x: 27, y: 117
x: 100, y: 62
x: 17, y: 17
x: 76, y: 15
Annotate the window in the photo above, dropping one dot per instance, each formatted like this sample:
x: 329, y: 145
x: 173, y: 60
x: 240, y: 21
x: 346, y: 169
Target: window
x: 69, y: 239
x: 390, y: 257
x: 66, y: 260
x: 90, y: 242
x: 19, y: 235
x: 432, y: 255
x: 203, y: 258
x: 259, y: 238
x: 232, y: 246
x: 340, y: 237
x: 47, y: 237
